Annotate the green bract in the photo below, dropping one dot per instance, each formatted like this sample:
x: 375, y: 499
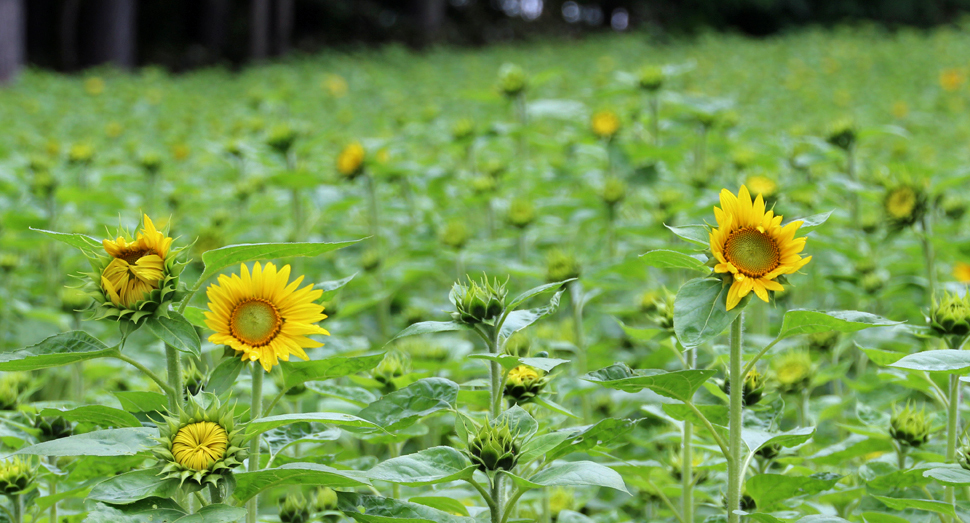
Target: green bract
x: 910, y: 427
x: 494, y: 447
x: 950, y: 315
x: 16, y: 474
x: 478, y: 302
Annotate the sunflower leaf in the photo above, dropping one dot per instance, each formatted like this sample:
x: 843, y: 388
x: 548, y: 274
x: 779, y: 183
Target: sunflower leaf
x: 176, y: 331
x: 261, y: 425
x: 428, y: 467
x: 428, y: 327
x: 218, y: 259
x: 224, y: 375
x: 664, y: 259
x: 133, y: 486
x: 94, y: 414
x: 83, y: 242
x: 298, y: 372
x: 943, y: 360
x: 218, y: 513
x: 113, y: 442
x: 699, y: 234
x: 377, y: 509
x: 60, y: 349
x: 801, y: 321
x: 680, y: 385
x: 700, y: 311
x: 403, y: 408
x: 248, y: 484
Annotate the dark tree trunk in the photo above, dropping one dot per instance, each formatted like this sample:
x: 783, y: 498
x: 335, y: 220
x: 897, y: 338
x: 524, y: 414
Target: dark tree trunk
x: 12, y: 38
x: 430, y: 17
x: 70, y: 11
x: 114, y: 33
x: 284, y: 25
x: 259, y: 25
x: 215, y: 26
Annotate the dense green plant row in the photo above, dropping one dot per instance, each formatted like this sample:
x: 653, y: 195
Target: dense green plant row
x: 721, y: 279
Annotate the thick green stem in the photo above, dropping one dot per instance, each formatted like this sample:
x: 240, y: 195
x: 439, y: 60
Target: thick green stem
x: 215, y: 495
x: 497, y: 496
x: 576, y: 299
x: 687, y: 462
x: 17, y: 501
x: 395, y: 451
x: 174, y: 377
x: 256, y: 411
x: 148, y: 372
x: 952, y: 427
x: 495, y: 375
x: 655, y: 118
x: 523, y: 246
x: 52, y: 488
x: 735, y: 473
x: 930, y: 256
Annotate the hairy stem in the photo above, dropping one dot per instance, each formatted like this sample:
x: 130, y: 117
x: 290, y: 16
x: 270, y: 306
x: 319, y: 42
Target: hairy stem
x: 952, y: 428
x: 735, y: 473
x: 174, y: 377
x: 255, y: 412
x: 687, y: 455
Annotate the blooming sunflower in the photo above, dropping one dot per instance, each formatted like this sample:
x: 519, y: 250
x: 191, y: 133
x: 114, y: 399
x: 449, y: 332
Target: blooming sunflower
x: 605, y: 124
x: 263, y: 316
x: 350, y: 162
x: 751, y: 245
x: 961, y: 271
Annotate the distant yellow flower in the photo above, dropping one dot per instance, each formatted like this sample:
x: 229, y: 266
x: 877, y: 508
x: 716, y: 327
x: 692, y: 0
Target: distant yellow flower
x: 138, y: 266
x: 961, y: 271
x: 900, y: 109
x: 951, y: 79
x: 751, y: 245
x: 94, y: 85
x: 199, y: 445
x: 180, y: 151
x: 262, y: 316
x: 605, y: 124
x: 350, y: 162
x: 335, y: 85
x: 762, y: 185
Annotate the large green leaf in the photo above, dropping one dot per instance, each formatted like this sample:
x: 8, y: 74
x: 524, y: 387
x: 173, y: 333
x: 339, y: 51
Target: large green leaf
x: 699, y: 234
x: 86, y: 243
x: 261, y: 425
x: 224, y: 375
x: 680, y: 385
x: 716, y: 414
x: 218, y: 259
x: 535, y: 291
x: 700, y: 311
x: 217, y: 513
x: 60, y: 349
x: 111, y: 442
x: 665, y: 259
x: 298, y: 372
x: 378, y: 509
x: 583, y: 439
x: 928, y: 505
x: 248, y: 484
x: 518, y: 320
x: 142, y: 401
x: 756, y: 439
x: 951, y: 477
x: 96, y: 414
x: 428, y: 467
x: 133, y: 486
x: 943, y: 360
x: 509, y: 362
x: 801, y: 321
x: 148, y: 510
x: 768, y: 489
x: 852, y: 447
x: 574, y: 474
x: 176, y: 331
x: 428, y: 327
x: 810, y: 223
x: 402, y: 408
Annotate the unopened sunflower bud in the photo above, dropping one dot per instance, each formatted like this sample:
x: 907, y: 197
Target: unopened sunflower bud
x: 910, y: 427
x: 614, y: 191
x: 561, y: 266
x: 754, y: 387
x: 194, y: 379
x: 455, y: 235
x: 16, y: 475
x: 663, y: 310
x: 294, y: 509
x: 677, y: 467
x: 150, y: 162
x: 512, y: 80
x: 80, y: 154
x: 954, y: 207
x: 963, y: 456
x: 9, y: 397
x: 951, y: 315
x: 904, y: 205
x: 769, y: 452
x: 842, y: 134
x: 478, y: 302
x: 823, y: 341
x: 494, y: 448
x: 521, y: 214
x: 463, y: 129
x: 518, y: 345
x: 394, y: 365
x: 523, y: 384
x: 74, y: 300
x: 561, y: 499
x: 483, y: 185
x: 324, y: 499
x: 793, y: 372
x: 281, y: 138
x: 350, y: 161
x: 370, y: 260
x: 53, y: 428
x: 651, y: 78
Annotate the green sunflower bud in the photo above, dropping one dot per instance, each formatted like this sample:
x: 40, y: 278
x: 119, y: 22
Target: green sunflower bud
x: 9, y: 397
x: 294, y: 509
x: 904, y: 205
x: 754, y: 387
x: 394, y: 365
x: 455, y: 235
x: 614, y: 191
x: 53, y: 428
x: 677, y: 467
x: 963, y: 456
x: 194, y: 379
x: 561, y: 266
x: 823, y: 341
x: 478, y: 302
x: 651, y: 78
x: 370, y: 260
x: 43, y: 184
x: 910, y: 427
x: 324, y: 499
x: 842, y: 134
x: 518, y: 345
x: 769, y: 452
x: 512, y: 80
x: 951, y: 315
x: 523, y: 384
x: 463, y: 129
x: 793, y: 372
x: 954, y: 207
x: 561, y: 499
x: 484, y: 184
x: 16, y: 474
x: 663, y: 310
x: 281, y: 138
x: 494, y: 448
x: 80, y: 154
x: 150, y: 162
x: 521, y: 214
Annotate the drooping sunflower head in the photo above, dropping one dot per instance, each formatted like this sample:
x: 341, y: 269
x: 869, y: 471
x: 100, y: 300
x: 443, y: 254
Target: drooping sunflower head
x: 135, y: 275
x: 263, y: 316
x: 751, y: 246
x: 605, y: 124
x: 904, y: 205
x: 202, y: 443
x: 951, y: 79
x: 350, y: 161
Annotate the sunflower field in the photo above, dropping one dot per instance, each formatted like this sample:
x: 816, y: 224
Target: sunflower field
x: 607, y: 281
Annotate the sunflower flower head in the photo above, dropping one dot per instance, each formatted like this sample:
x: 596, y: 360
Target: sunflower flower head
x: 961, y: 271
x: 135, y: 276
x: 16, y: 474
x: 523, y: 384
x: 350, y: 161
x: 263, y: 316
x: 910, y: 427
x: 494, y: 447
x: 478, y: 301
x: 605, y: 124
x: 752, y: 248
x: 511, y: 80
x: 651, y: 78
x: 950, y: 315
x: 202, y: 444
x: 904, y: 205
x: 793, y: 371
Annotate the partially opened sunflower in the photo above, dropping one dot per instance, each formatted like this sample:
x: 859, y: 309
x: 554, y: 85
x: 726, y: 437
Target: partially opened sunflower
x: 263, y: 316
x: 752, y: 247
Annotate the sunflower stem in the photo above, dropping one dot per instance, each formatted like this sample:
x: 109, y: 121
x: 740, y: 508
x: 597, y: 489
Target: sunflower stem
x: 497, y: 497
x: 174, y: 389
x: 17, y: 502
x: 576, y: 300
x: 155, y: 377
x: 655, y: 118
x: 256, y: 411
x: 383, y: 321
x: 495, y: 376
x: 929, y: 255
x: 735, y: 472
x: 395, y: 452
x: 687, y: 454
x: 52, y: 490
x: 215, y: 495
x: 952, y: 429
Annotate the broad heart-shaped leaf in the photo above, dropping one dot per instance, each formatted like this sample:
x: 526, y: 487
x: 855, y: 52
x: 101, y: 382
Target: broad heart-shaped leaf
x: 700, y: 311
x: 679, y: 385
x: 716, y: 414
x: 378, y: 509
x: 801, y: 321
x: 261, y: 425
x: 518, y: 320
x: 535, y: 291
x: 282, y: 437
x: 217, y: 513
x: 428, y: 467
x: 248, y: 484
x: 298, y: 372
x: 427, y: 327
x: 86, y: 243
x: 822, y: 518
x: 573, y: 474
x: 951, y: 476
x: 446, y: 504
x: 176, y: 331
x: 810, y: 223
x: 218, y: 259
x: 60, y: 349
x: 111, y: 442
x: 96, y: 414
x: 196, y: 316
x: 943, y: 360
x: 756, y: 439
x: 521, y: 423
x: 940, y: 507
x: 133, y: 486
x: 852, y: 447
x: 665, y: 259
x: 142, y: 401
x: 142, y: 511
x: 768, y: 489
x: 699, y: 234
x: 224, y: 375
x: 582, y: 439
x: 403, y: 408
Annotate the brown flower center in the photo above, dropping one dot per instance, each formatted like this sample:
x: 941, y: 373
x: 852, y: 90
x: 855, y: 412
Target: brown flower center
x: 255, y: 322
x: 753, y: 252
